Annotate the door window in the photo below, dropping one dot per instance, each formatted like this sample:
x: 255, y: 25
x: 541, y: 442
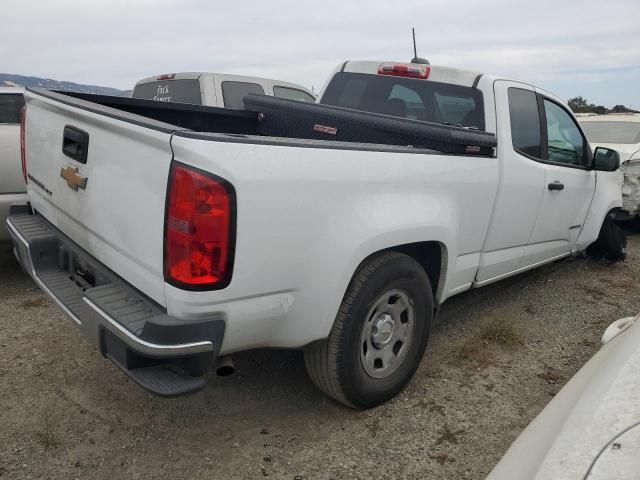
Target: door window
x: 525, y: 122
x: 565, y: 143
x: 292, y: 94
x: 234, y: 93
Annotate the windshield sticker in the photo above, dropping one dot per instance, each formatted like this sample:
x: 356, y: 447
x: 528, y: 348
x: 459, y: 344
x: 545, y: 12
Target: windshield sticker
x: 162, y: 94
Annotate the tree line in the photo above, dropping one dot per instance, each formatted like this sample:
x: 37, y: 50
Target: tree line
x: 582, y: 105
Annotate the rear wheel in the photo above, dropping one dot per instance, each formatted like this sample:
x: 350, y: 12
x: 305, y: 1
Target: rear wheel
x: 379, y: 335
x: 611, y: 243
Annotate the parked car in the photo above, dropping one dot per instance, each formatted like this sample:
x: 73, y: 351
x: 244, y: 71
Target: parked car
x: 215, y: 89
x: 591, y: 428
x: 322, y: 227
x: 12, y: 186
x: 620, y: 131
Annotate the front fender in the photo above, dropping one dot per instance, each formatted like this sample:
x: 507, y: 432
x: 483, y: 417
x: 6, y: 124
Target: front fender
x: 608, y: 196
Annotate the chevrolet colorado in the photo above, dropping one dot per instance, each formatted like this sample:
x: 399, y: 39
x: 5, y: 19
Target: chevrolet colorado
x: 174, y: 235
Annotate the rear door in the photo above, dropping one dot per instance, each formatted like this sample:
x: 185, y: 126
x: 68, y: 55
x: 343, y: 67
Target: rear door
x: 99, y: 175
x: 569, y: 184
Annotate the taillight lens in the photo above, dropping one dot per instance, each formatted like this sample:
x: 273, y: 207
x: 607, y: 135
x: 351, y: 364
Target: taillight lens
x: 23, y: 155
x: 405, y: 70
x: 199, y: 229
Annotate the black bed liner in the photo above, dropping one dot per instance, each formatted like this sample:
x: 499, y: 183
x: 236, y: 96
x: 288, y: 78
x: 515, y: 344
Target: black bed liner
x: 193, y: 117
x: 294, y: 119
x: 282, y: 118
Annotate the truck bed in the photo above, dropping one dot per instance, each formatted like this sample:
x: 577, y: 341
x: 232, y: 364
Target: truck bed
x: 281, y: 118
x: 191, y: 117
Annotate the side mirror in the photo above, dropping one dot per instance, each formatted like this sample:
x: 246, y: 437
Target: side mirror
x: 606, y: 160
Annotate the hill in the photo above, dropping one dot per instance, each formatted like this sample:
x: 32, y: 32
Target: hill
x: 10, y: 79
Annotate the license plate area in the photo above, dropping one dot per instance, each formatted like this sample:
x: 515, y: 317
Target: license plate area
x: 84, y: 273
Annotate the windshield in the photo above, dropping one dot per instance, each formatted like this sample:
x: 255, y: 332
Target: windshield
x: 407, y: 98
x: 179, y: 91
x: 612, y: 132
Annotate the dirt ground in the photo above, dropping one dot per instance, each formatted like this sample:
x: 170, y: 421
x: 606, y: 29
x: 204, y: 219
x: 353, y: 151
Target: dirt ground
x: 498, y: 355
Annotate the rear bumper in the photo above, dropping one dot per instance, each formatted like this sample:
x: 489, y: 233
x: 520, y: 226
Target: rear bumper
x: 6, y: 200
x: 165, y: 355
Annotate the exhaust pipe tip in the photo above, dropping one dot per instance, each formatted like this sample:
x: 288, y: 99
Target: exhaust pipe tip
x: 224, y: 366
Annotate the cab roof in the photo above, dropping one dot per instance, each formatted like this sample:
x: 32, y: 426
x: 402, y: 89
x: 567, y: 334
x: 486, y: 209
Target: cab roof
x: 437, y: 73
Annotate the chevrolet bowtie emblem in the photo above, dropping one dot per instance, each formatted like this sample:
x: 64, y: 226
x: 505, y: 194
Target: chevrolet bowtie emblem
x: 73, y: 178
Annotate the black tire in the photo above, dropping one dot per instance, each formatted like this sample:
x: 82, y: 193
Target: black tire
x: 334, y: 364
x: 611, y: 243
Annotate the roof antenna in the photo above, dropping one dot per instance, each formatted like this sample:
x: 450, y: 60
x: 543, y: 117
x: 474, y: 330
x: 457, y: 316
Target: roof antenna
x: 417, y: 59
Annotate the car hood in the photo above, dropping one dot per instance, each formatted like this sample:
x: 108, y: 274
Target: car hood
x: 598, y: 405
x: 620, y: 459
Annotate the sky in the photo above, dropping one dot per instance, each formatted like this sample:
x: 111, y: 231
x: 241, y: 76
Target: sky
x: 589, y: 48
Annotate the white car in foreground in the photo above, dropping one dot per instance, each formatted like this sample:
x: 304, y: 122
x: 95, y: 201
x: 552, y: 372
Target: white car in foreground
x: 12, y: 186
x: 621, y: 132
x: 591, y: 429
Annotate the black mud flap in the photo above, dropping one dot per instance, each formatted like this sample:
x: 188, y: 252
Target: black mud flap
x: 611, y: 243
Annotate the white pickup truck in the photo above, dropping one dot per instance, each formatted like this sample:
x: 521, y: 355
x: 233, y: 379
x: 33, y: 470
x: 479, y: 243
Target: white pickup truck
x: 12, y: 187
x: 215, y: 89
x: 174, y: 235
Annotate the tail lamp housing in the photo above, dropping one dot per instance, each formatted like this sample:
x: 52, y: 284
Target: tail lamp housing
x: 199, y: 239
x: 23, y: 153
x: 407, y: 70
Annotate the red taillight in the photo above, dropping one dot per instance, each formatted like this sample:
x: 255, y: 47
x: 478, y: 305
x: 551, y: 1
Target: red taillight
x: 23, y: 155
x: 199, y: 235
x: 167, y: 76
x: 405, y: 70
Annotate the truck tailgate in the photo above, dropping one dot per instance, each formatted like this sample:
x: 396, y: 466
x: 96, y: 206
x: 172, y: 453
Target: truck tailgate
x: 112, y: 204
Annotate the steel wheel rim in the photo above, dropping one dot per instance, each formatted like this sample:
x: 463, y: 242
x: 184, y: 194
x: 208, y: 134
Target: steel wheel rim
x: 387, y: 333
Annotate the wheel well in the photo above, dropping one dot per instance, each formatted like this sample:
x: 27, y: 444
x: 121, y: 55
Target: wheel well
x: 430, y: 255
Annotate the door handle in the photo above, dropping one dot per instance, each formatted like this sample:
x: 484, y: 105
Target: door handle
x: 75, y: 143
x: 556, y: 186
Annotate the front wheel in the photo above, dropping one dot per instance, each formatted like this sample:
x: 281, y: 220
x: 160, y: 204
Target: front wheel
x: 611, y: 243
x: 379, y: 335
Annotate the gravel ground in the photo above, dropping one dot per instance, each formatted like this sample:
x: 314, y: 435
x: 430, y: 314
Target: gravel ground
x: 497, y: 357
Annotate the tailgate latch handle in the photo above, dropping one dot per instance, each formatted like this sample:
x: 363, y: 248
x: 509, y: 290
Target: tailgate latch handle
x: 75, y: 143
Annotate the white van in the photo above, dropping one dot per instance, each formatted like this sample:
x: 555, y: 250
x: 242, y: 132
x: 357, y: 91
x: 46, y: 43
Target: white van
x: 215, y: 89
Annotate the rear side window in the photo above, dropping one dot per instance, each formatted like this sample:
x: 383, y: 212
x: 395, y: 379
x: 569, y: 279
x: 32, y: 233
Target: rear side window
x: 234, y: 92
x: 407, y: 98
x: 10, y: 107
x: 525, y: 122
x: 178, y: 91
x: 292, y: 94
